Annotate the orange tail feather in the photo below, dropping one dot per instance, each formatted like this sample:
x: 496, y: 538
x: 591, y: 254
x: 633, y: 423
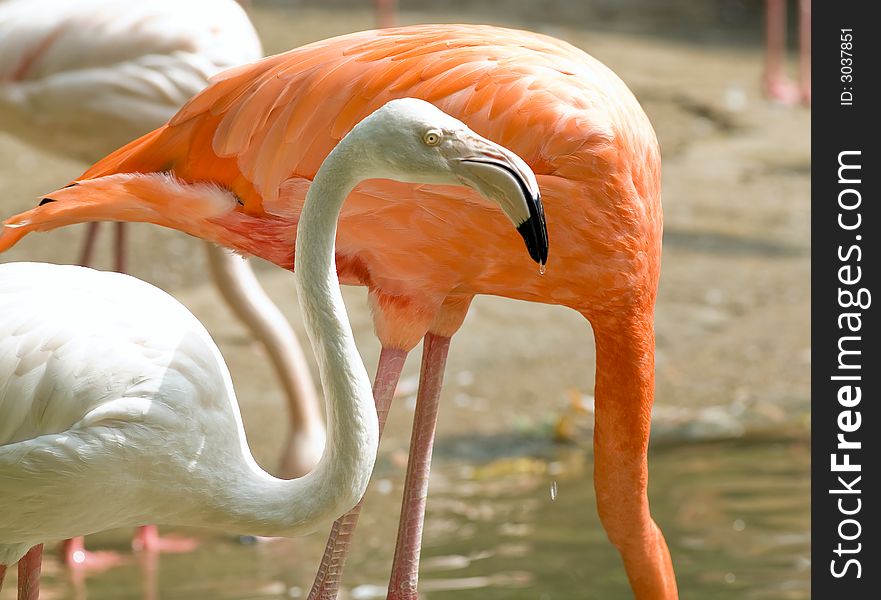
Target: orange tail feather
x: 146, y: 154
x: 151, y: 198
x: 9, y: 237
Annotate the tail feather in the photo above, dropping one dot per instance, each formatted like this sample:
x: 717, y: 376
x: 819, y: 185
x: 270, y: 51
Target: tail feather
x: 10, y: 235
x: 142, y: 155
x: 127, y: 197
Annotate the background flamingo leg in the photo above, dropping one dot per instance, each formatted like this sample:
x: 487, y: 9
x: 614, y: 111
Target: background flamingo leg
x: 386, y: 13
x: 405, y: 567
x: 88, y: 252
x: 804, y: 62
x: 2, y: 576
x: 119, y: 248
x: 624, y: 395
x: 29, y: 574
x: 777, y: 86
x: 149, y: 567
x: 327, y: 581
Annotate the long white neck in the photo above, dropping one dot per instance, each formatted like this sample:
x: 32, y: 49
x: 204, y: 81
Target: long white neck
x: 258, y: 503
x: 352, y: 426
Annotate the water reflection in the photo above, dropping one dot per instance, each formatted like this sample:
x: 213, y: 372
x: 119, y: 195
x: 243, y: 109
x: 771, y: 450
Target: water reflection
x: 735, y: 515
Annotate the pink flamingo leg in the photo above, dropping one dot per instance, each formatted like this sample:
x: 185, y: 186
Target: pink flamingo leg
x: 386, y: 11
x: 147, y: 540
x: 88, y: 252
x: 149, y: 563
x: 804, y: 62
x: 405, y: 568
x: 327, y: 581
x: 777, y: 86
x: 119, y: 253
x: 2, y: 576
x: 29, y: 574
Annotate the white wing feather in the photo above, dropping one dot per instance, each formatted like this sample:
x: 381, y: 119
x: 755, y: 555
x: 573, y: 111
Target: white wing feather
x: 93, y: 74
x: 109, y: 388
x: 69, y: 343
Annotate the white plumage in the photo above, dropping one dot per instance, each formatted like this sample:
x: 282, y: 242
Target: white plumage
x: 83, y: 78
x: 108, y: 386
x: 117, y: 409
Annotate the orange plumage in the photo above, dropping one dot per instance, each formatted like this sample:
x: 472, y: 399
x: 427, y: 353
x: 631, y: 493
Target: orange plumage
x: 262, y: 131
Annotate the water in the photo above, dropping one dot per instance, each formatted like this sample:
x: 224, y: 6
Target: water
x: 735, y: 515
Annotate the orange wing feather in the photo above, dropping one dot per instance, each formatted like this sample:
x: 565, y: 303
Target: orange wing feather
x: 280, y: 116
x: 262, y: 130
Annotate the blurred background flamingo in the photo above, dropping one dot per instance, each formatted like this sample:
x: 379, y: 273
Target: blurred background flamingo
x: 80, y: 79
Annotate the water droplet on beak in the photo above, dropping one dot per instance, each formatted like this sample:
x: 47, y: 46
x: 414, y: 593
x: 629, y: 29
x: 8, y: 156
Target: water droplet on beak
x: 542, y: 268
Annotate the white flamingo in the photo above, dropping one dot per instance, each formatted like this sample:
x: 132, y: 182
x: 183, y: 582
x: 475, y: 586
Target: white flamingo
x: 116, y: 407
x: 81, y: 79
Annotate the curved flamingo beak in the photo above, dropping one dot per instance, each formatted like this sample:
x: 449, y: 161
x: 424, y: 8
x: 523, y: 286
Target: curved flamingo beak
x: 502, y: 176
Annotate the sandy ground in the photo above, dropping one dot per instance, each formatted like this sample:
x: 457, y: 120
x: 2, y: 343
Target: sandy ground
x: 732, y: 317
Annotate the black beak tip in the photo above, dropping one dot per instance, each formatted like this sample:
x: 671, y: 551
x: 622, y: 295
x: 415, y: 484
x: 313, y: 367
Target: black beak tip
x: 46, y: 201
x: 534, y: 232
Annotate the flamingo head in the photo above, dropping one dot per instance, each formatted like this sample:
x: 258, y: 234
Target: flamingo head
x: 413, y: 141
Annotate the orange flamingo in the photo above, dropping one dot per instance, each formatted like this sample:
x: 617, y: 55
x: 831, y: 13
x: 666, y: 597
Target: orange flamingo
x: 262, y: 130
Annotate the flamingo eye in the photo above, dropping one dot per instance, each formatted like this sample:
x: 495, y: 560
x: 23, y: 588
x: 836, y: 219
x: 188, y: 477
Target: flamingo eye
x: 432, y: 137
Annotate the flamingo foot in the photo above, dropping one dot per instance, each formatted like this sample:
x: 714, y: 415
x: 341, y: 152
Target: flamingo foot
x: 783, y: 91
x: 76, y: 556
x: 147, y: 540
